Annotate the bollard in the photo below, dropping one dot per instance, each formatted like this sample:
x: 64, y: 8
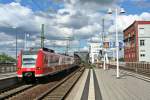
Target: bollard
x: 149, y: 68
x: 136, y: 65
x: 0, y: 69
x: 146, y: 67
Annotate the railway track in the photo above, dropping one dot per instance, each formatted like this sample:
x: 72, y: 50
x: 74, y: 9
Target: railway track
x: 61, y: 90
x: 9, y: 93
x: 11, y: 87
x: 38, y: 92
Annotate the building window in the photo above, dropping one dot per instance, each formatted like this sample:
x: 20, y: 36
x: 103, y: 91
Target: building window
x: 142, y: 42
x: 142, y: 50
x: 141, y: 30
x: 142, y: 55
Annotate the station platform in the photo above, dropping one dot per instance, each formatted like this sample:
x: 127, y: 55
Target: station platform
x: 99, y: 84
x: 7, y: 75
x: 8, y: 79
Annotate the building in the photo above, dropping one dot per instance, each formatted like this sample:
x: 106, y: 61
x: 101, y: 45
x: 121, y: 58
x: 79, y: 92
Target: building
x: 84, y: 55
x: 94, y: 52
x: 137, y: 42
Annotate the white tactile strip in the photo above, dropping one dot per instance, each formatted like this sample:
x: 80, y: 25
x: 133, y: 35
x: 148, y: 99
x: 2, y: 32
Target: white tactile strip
x: 76, y: 92
x: 98, y: 95
x: 91, y: 94
x: 86, y: 87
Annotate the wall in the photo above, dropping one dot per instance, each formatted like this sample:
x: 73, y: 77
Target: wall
x: 144, y: 34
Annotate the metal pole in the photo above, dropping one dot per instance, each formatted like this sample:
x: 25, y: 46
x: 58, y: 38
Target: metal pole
x: 16, y: 47
x: 79, y: 46
x: 54, y: 44
x: 42, y: 36
x: 67, y: 47
x: 117, y: 44
x: 104, y: 65
x: 104, y: 60
x: 25, y: 42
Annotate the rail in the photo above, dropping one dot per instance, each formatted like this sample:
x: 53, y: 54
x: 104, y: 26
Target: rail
x: 62, y: 89
x: 37, y: 91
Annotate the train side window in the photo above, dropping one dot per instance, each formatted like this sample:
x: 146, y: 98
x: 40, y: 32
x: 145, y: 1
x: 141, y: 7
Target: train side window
x: 48, y: 61
x: 60, y: 60
x: 63, y: 60
x: 53, y: 60
x: 45, y: 60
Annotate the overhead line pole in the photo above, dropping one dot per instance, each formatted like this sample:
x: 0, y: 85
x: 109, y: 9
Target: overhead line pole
x: 16, y: 46
x: 42, y: 36
x: 103, y: 53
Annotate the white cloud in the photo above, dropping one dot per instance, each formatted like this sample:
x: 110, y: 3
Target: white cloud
x: 85, y: 48
x: 14, y: 14
x: 145, y: 16
x: 75, y: 19
x: 88, y: 31
x: 124, y: 21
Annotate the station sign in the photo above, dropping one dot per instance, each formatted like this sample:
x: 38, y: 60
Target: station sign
x: 112, y: 45
x: 106, y: 44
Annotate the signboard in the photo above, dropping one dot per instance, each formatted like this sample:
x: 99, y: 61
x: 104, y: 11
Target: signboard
x: 112, y: 45
x: 120, y: 45
x: 95, y: 45
x: 106, y: 44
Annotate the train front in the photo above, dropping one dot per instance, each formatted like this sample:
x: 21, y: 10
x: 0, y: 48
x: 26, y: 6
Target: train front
x: 27, y: 65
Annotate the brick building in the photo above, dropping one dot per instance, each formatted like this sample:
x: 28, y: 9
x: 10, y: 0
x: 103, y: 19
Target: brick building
x: 137, y: 42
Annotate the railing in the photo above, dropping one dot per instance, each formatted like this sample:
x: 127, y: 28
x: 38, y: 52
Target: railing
x: 7, y: 67
x: 138, y: 67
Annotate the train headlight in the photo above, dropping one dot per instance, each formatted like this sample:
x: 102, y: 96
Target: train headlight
x: 38, y: 68
x: 18, y: 68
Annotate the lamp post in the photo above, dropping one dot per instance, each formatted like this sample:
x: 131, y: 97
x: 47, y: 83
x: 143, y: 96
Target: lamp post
x: 117, y: 41
x: 103, y: 40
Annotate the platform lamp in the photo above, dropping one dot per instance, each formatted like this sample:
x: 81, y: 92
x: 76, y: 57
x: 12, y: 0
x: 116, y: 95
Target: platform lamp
x: 117, y: 41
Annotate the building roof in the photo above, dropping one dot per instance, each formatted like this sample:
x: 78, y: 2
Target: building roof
x: 136, y: 22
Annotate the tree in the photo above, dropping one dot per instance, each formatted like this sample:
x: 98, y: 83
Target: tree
x: 5, y: 58
x: 121, y: 59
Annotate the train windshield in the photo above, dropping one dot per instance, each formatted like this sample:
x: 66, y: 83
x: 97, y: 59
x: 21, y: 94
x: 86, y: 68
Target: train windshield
x: 29, y: 61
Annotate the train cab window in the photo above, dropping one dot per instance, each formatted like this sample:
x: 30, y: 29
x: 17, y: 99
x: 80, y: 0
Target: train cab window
x: 29, y: 60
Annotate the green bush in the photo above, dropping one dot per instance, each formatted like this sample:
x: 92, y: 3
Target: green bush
x: 4, y: 58
x: 121, y: 59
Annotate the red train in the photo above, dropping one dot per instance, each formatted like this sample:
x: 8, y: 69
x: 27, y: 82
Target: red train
x: 33, y: 64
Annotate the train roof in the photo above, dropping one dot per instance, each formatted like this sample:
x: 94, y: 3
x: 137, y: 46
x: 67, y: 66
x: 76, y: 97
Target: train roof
x: 48, y: 50
x: 28, y: 52
x: 64, y: 54
x: 35, y: 50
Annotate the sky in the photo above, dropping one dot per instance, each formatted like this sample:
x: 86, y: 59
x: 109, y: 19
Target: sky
x: 79, y: 21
